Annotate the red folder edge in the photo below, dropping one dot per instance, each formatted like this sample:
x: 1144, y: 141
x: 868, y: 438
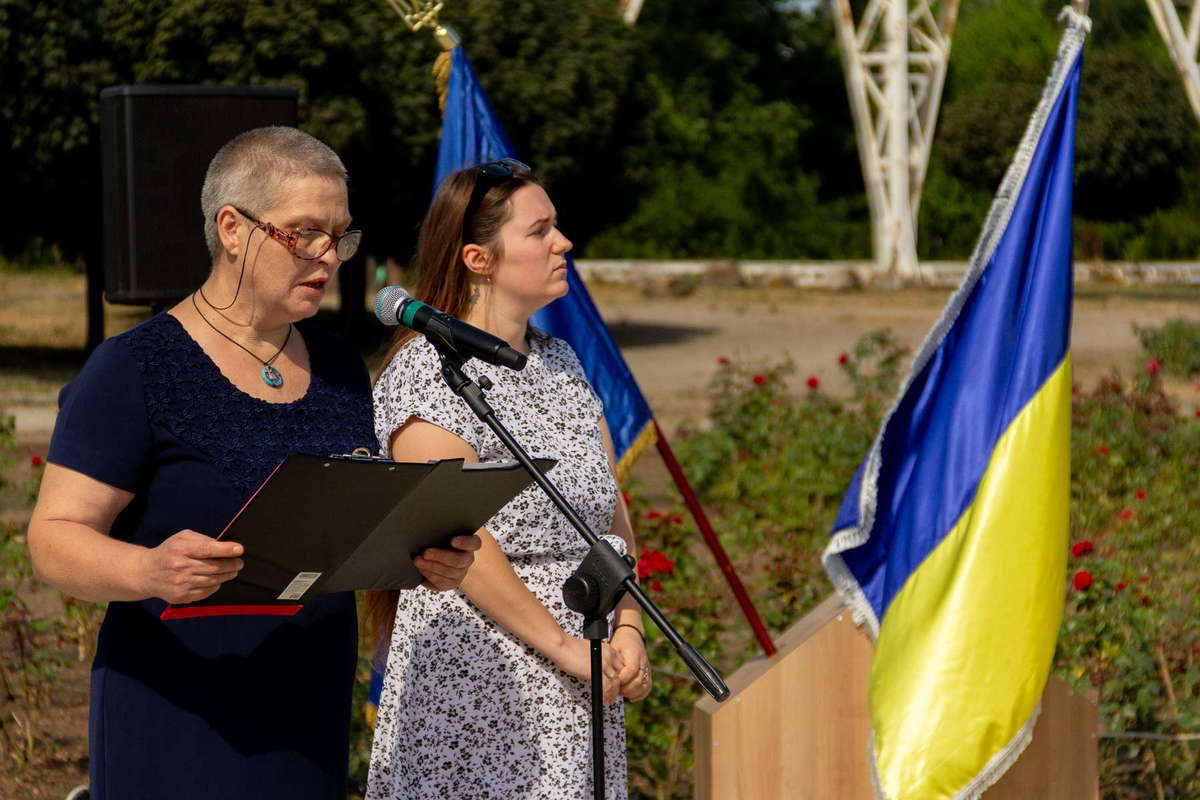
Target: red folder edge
x: 189, y: 612
x: 171, y: 612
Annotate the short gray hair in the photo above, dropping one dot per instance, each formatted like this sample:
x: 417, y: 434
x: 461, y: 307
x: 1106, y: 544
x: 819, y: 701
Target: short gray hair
x: 252, y: 169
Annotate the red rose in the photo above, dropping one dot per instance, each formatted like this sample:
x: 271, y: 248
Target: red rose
x: 1082, y: 579
x: 1122, y: 585
x: 843, y: 358
x: 36, y: 461
x: 625, y: 496
x: 1102, y: 450
x: 1152, y: 366
x: 812, y: 382
x: 652, y: 561
x: 1126, y: 514
x: 656, y: 586
x: 723, y: 361
x: 645, y: 564
x: 759, y: 380
x: 675, y: 518
x: 1082, y: 548
x: 1114, y: 385
x: 1145, y: 600
x: 1198, y: 412
x: 1140, y: 494
x: 652, y: 514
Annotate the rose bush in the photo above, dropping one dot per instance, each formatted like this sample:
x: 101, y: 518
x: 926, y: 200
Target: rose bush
x: 770, y: 466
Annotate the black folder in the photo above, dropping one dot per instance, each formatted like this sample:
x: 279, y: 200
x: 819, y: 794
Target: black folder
x: 342, y: 523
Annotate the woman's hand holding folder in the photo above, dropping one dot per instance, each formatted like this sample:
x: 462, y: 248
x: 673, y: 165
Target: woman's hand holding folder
x: 445, y: 569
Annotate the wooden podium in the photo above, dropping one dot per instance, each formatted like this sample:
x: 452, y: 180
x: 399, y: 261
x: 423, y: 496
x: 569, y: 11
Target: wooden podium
x: 795, y: 727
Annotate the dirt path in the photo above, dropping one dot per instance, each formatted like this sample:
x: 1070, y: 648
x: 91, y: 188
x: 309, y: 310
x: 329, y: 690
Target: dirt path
x: 672, y: 344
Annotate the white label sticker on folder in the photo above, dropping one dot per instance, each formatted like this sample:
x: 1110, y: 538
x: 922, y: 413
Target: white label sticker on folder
x: 299, y: 585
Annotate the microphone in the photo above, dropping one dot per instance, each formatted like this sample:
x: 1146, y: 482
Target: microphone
x: 394, y: 306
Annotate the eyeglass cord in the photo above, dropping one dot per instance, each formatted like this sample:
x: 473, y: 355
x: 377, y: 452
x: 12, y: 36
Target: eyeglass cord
x: 238, y: 290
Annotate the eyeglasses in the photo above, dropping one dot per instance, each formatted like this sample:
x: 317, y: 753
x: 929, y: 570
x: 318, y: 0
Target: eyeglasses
x: 490, y: 174
x: 311, y: 243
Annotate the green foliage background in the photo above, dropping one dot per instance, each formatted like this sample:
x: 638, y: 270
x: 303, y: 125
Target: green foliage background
x: 713, y: 128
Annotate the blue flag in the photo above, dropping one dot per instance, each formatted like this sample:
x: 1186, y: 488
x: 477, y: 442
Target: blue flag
x: 471, y: 133
x: 951, y: 543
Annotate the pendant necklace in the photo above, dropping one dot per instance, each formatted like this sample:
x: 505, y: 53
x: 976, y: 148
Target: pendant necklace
x: 270, y: 374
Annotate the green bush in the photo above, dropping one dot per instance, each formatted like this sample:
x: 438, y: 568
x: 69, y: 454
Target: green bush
x: 1175, y: 345
x: 1130, y: 637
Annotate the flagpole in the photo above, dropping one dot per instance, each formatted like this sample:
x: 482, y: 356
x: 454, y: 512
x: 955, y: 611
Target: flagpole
x: 714, y: 544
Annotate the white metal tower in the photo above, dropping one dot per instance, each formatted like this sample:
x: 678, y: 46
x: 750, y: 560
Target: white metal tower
x: 895, y: 62
x: 1181, y: 43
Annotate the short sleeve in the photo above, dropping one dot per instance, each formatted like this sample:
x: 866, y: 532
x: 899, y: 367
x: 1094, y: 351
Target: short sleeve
x: 411, y: 386
x: 102, y: 428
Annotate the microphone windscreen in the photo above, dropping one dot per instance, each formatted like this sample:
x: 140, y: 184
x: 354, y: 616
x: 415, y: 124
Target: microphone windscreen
x: 387, y: 303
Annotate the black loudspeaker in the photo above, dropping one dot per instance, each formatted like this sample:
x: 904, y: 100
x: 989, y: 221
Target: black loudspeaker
x: 156, y: 143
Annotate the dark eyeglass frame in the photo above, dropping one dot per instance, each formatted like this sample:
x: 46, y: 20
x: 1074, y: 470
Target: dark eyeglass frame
x: 490, y: 174
x: 288, y: 240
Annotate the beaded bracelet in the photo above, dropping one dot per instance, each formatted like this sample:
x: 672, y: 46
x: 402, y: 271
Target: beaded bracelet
x: 627, y: 625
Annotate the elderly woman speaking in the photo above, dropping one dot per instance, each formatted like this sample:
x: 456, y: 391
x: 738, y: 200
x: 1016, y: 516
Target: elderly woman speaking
x: 162, y: 437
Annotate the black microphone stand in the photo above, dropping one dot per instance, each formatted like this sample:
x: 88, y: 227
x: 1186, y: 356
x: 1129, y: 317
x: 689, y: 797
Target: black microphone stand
x: 601, y: 578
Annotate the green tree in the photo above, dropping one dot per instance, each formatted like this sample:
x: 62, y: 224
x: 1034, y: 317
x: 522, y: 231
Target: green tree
x: 52, y: 69
x: 1136, y: 139
x: 721, y: 166
x: 557, y: 71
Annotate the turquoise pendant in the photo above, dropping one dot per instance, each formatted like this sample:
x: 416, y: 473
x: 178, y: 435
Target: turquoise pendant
x: 271, y: 376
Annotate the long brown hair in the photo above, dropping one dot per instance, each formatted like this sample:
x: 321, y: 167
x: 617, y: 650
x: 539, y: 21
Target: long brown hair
x: 444, y: 283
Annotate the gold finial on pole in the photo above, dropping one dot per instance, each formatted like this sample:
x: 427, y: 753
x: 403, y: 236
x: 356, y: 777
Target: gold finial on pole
x: 419, y: 14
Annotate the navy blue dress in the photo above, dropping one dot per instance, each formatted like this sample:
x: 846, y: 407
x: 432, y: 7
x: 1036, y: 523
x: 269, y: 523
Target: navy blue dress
x: 211, y: 707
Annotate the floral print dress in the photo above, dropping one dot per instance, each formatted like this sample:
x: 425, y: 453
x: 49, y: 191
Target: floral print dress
x: 467, y: 709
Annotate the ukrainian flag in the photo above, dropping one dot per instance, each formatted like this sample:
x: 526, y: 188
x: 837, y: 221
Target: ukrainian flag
x: 471, y: 133
x: 951, y: 542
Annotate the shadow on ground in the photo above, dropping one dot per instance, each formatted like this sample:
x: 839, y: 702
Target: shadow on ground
x: 637, y: 334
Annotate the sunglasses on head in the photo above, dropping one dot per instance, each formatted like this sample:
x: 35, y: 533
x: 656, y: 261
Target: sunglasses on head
x: 488, y: 175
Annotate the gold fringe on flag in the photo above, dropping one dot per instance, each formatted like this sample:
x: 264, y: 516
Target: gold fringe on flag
x: 441, y: 74
x: 647, y: 438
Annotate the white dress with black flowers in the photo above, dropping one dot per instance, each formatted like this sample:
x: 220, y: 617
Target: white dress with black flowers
x: 467, y: 709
